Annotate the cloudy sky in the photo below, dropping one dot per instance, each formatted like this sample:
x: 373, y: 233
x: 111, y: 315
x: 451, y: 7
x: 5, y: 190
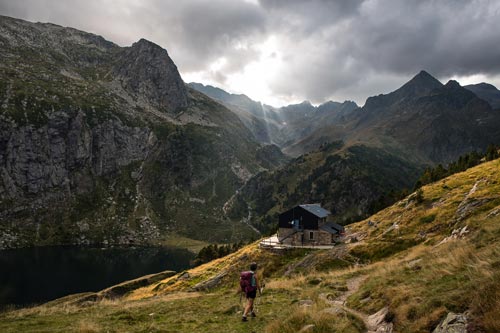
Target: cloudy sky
x: 285, y: 51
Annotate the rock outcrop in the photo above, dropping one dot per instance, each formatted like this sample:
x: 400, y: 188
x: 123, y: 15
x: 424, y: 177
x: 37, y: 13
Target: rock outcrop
x: 453, y: 323
x: 146, y: 72
x: 210, y: 283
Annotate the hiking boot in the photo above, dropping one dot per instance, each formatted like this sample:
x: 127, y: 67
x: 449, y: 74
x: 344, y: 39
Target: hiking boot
x: 252, y: 314
x: 244, y: 318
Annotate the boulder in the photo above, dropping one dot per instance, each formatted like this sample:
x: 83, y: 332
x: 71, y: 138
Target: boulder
x: 453, y: 323
x: 306, y: 302
x: 210, y: 283
x: 415, y: 264
x: 307, y: 328
x: 377, y: 321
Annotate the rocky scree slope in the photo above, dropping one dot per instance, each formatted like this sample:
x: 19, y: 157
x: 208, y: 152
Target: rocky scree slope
x: 106, y: 144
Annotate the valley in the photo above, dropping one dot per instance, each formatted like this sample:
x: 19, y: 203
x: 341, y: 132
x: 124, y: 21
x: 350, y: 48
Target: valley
x: 157, y: 192
x: 133, y: 155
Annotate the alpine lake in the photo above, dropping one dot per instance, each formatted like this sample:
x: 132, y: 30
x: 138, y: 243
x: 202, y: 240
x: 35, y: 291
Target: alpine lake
x: 36, y: 275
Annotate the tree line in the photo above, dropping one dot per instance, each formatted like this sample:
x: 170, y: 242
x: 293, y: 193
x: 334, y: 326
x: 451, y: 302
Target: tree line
x: 432, y: 174
x: 214, y: 251
x: 463, y: 163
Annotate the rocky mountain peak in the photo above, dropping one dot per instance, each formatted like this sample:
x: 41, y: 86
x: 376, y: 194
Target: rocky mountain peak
x: 452, y: 84
x: 458, y: 97
x: 146, y: 45
x: 460, y: 94
x: 350, y: 103
x: 487, y: 92
x: 337, y: 107
x: 420, y: 85
x: 424, y: 75
x: 145, y: 70
x: 83, y: 138
x: 329, y: 104
x: 485, y: 86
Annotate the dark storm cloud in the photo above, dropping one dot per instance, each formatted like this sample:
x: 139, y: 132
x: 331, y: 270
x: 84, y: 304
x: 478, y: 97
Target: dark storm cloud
x: 204, y: 31
x: 305, y: 17
x: 377, y: 45
x: 329, y: 49
x: 446, y: 37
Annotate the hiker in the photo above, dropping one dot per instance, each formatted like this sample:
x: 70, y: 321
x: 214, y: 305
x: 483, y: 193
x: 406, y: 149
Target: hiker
x: 249, y: 285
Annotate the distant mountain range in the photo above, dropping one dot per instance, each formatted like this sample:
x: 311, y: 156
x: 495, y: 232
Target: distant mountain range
x: 101, y: 144
x: 456, y: 121
x: 423, y: 120
x: 281, y: 126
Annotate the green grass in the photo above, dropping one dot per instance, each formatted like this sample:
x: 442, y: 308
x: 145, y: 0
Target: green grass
x: 428, y: 218
x: 219, y: 312
x: 380, y: 250
x: 420, y: 283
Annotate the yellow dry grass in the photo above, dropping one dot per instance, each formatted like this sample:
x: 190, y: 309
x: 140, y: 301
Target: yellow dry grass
x: 86, y: 326
x: 199, y: 273
x: 420, y: 282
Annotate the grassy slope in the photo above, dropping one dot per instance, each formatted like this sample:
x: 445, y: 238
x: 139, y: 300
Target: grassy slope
x: 408, y: 269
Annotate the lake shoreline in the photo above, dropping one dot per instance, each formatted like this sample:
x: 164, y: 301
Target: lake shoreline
x: 41, y: 274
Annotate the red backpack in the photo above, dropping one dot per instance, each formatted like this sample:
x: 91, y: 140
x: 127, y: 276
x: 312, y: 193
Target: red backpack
x: 246, y: 282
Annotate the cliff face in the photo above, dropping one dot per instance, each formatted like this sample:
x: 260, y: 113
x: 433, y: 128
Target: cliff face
x: 103, y: 144
x: 57, y: 155
x: 146, y: 72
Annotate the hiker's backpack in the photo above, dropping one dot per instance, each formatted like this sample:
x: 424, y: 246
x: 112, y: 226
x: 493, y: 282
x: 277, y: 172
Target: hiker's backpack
x: 246, y: 282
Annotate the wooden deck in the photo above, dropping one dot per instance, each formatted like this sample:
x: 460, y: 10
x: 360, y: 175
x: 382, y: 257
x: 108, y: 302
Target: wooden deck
x: 273, y: 243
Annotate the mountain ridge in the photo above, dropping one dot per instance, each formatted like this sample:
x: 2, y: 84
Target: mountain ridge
x: 486, y: 91
x: 282, y: 126
x: 106, y: 145
x: 398, y: 121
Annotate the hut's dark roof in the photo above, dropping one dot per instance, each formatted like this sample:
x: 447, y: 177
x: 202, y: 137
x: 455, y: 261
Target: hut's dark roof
x: 328, y: 228
x: 332, y: 228
x: 337, y: 226
x: 316, y: 209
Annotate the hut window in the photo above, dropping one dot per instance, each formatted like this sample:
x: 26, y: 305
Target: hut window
x: 311, y: 235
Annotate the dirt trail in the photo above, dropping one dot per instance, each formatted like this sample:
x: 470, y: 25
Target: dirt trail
x: 374, y: 323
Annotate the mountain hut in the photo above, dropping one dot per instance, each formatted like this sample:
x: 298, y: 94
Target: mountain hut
x: 308, y: 224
